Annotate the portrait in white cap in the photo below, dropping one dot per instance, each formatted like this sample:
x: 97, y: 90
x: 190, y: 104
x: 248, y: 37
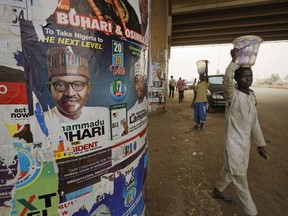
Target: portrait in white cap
x: 139, y: 80
x: 138, y: 112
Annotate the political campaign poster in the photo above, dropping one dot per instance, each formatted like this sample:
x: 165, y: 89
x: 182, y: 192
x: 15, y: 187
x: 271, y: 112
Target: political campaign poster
x: 158, y: 88
x: 78, y: 140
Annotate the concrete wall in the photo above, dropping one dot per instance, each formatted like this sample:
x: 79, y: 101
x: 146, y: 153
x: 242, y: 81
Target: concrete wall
x: 160, y: 31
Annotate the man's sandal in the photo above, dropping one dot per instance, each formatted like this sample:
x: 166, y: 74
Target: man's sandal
x: 223, y: 198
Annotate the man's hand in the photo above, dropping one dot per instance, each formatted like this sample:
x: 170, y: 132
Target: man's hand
x: 234, y: 54
x: 262, y: 152
x: 192, y: 104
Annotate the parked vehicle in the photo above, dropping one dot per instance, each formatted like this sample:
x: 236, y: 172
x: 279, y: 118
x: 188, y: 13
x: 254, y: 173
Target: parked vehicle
x: 215, y: 94
x: 189, y: 85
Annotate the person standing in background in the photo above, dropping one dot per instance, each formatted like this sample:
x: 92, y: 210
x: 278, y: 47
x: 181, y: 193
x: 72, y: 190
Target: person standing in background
x: 172, y: 84
x: 200, y: 99
x: 180, y: 87
x: 185, y: 87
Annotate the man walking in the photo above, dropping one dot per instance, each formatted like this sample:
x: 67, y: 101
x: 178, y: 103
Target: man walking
x: 180, y: 87
x: 241, y: 124
x: 172, y: 84
x: 200, y: 100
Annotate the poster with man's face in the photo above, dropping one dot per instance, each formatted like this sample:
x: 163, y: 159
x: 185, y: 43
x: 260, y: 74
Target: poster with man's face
x: 86, y: 96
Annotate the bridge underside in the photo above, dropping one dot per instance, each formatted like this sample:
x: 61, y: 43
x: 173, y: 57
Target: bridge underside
x: 220, y: 21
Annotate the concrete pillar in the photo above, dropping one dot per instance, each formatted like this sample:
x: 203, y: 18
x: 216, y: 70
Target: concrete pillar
x: 160, y: 31
x: 160, y: 51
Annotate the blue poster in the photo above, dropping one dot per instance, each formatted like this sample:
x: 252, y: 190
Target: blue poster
x: 86, y: 68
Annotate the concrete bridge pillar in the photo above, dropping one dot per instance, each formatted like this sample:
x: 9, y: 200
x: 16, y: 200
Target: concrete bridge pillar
x: 160, y: 51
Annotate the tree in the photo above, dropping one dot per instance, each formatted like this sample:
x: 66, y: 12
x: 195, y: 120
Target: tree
x: 272, y: 79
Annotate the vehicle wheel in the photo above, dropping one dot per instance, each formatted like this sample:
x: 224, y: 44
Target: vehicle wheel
x: 209, y: 108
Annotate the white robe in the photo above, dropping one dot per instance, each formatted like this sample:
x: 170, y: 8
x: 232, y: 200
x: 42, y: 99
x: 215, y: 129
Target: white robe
x: 241, y: 124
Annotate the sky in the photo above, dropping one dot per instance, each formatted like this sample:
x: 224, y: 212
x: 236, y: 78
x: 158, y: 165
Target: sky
x: 272, y: 58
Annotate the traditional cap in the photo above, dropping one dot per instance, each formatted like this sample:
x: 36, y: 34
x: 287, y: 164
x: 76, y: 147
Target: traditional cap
x: 61, y: 61
x: 139, y: 68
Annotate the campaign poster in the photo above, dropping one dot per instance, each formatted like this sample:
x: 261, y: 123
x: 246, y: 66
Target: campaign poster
x: 158, y: 88
x: 118, y: 117
x: 81, y: 109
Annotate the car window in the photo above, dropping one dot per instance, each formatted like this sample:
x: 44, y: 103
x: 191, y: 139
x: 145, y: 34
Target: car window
x: 216, y: 80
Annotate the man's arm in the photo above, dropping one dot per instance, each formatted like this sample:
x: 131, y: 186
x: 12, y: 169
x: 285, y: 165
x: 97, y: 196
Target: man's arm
x: 206, y: 70
x: 194, y: 98
x: 258, y: 139
x: 228, y: 80
x: 195, y: 95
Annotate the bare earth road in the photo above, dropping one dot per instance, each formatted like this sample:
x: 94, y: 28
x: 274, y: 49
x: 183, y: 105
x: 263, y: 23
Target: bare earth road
x: 184, y: 164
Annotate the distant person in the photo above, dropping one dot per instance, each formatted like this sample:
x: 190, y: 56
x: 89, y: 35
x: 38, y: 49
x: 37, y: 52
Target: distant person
x: 172, y: 84
x: 185, y: 88
x: 180, y: 87
x: 241, y: 124
x: 200, y: 99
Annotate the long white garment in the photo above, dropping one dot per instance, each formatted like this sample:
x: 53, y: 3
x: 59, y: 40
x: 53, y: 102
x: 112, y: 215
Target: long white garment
x: 241, y: 124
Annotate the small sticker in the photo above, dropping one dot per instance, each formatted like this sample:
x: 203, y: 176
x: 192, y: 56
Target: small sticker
x: 118, y: 89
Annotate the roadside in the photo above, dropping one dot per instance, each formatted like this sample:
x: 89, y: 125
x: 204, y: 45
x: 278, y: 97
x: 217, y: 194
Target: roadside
x: 184, y: 164
x: 180, y: 172
x: 271, y: 86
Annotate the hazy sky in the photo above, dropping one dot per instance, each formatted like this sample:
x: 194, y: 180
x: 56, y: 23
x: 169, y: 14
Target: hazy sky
x: 272, y: 58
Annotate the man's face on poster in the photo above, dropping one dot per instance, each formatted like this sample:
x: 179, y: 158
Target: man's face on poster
x: 139, y: 86
x: 159, y: 74
x: 70, y: 94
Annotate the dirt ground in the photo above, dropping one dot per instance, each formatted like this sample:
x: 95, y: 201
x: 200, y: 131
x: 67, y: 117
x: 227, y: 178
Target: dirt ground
x: 184, y: 165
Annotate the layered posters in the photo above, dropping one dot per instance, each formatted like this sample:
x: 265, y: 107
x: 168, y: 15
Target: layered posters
x: 158, y: 87
x: 74, y: 121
